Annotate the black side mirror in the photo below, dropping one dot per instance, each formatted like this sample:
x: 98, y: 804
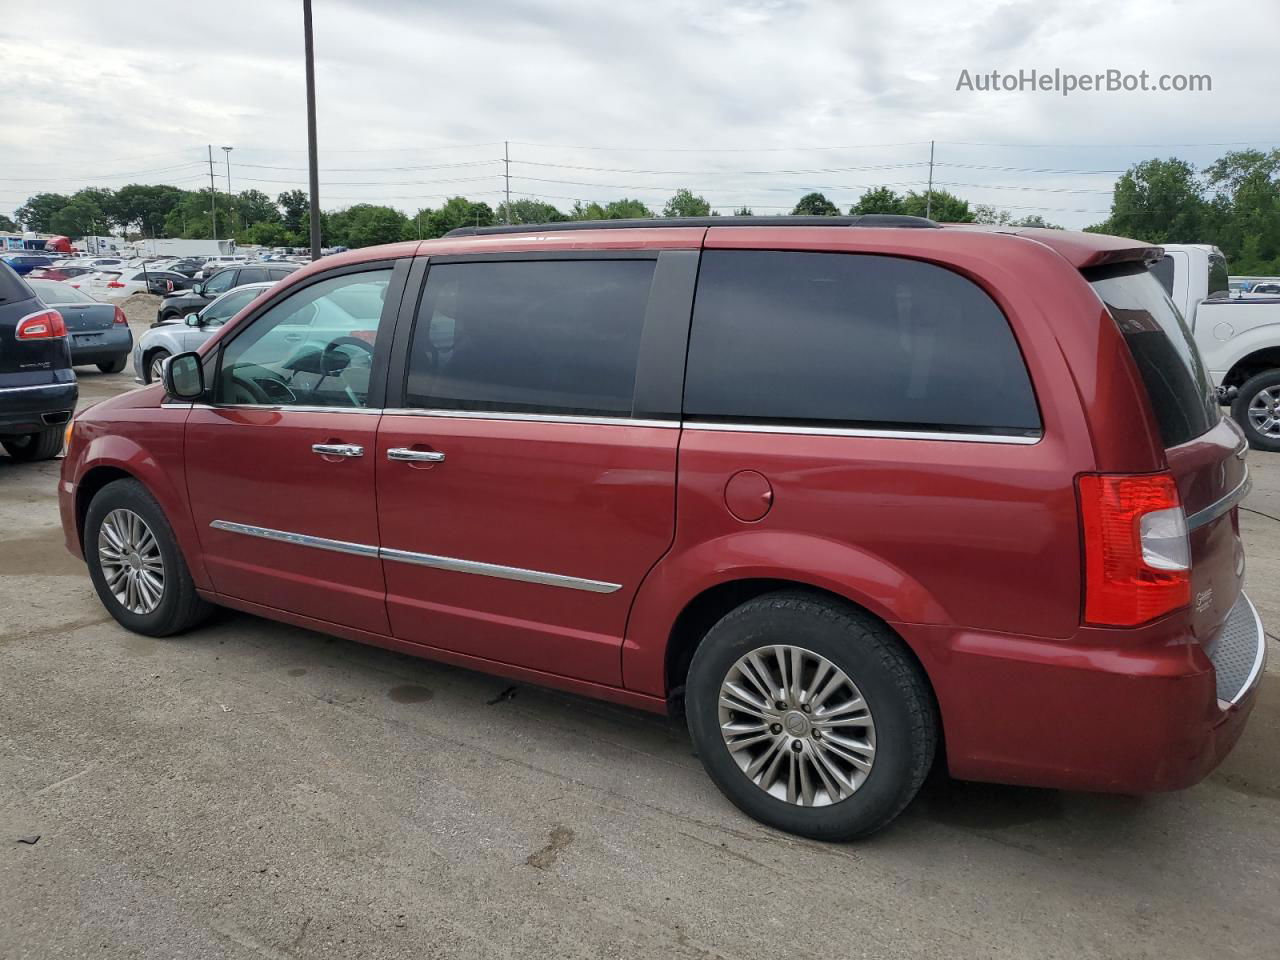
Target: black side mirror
x: 183, y: 376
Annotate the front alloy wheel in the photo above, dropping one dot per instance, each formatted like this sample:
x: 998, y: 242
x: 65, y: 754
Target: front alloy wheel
x: 129, y: 555
x: 797, y: 726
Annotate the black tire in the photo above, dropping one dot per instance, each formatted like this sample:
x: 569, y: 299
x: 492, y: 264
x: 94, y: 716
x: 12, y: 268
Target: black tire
x: 873, y: 657
x: 43, y: 445
x: 1267, y: 380
x: 152, y: 359
x: 180, y: 607
x: 114, y: 366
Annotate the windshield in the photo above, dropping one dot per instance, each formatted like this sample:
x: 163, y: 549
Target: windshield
x: 54, y: 292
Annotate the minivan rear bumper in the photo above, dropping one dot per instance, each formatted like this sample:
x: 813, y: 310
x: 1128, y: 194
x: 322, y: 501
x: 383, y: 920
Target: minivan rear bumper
x: 28, y: 409
x: 1113, y: 711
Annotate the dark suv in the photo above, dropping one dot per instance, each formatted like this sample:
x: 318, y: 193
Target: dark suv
x: 842, y: 490
x: 183, y: 302
x: 37, y: 383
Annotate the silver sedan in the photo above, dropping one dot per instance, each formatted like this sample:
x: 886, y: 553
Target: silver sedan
x: 170, y: 337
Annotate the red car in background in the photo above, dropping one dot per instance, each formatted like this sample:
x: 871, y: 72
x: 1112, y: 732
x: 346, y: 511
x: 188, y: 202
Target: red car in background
x: 58, y: 273
x: 840, y: 489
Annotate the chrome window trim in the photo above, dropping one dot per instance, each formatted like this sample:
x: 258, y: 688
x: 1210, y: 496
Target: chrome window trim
x: 1216, y: 509
x: 869, y: 432
x: 528, y: 417
x: 282, y: 408
x: 39, y: 386
x: 454, y: 564
x: 298, y: 539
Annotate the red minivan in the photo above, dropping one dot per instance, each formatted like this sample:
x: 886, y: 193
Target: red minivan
x: 848, y: 492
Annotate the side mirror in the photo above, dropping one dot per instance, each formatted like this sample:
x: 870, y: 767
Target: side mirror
x: 192, y: 319
x: 198, y: 289
x: 183, y: 376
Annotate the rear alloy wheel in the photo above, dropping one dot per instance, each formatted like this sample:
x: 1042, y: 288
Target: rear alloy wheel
x: 155, y: 366
x: 135, y: 562
x: 1257, y: 410
x: 113, y: 366
x: 811, y: 715
x: 44, y: 445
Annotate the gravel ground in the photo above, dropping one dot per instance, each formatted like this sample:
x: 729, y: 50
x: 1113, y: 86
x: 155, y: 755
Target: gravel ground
x: 254, y: 790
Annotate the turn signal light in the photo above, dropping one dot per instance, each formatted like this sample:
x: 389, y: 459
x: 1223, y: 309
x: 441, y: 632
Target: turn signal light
x: 1137, y: 556
x: 44, y: 325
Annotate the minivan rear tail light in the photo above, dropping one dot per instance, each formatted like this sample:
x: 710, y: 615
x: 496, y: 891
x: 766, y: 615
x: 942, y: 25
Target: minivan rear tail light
x: 120, y: 318
x: 44, y: 325
x: 1137, y: 557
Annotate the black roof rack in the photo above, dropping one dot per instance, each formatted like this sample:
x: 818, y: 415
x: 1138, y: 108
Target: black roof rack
x: 864, y: 220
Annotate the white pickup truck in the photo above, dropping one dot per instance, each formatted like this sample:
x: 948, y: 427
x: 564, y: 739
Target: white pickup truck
x: 1238, y: 338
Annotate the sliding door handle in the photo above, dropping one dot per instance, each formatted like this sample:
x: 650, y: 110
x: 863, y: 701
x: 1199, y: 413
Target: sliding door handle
x: 338, y: 449
x: 414, y: 456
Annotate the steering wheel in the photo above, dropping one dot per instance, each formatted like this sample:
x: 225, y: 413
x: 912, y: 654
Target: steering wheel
x: 327, y: 368
x: 244, y: 385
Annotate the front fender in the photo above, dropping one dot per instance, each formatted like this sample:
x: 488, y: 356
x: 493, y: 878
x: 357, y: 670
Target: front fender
x: 682, y: 575
x: 158, y: 464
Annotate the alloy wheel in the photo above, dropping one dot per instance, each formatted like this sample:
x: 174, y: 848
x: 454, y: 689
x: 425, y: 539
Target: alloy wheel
x: 797, y: 725
x: 157, y: 368
x: 129, y: 555
x: 1264, y: 412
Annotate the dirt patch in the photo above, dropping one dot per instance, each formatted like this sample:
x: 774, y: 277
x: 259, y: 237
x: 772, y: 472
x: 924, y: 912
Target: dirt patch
x: 559, y: 838
x: 141, y: 308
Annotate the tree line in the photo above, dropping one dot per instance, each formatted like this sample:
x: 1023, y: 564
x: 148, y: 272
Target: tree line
x: 1233, y: 203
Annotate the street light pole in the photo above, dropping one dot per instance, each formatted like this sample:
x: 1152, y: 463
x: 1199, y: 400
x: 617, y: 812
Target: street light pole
x: 312, y: 160
x: 213, y: 203
x: 226, y: 152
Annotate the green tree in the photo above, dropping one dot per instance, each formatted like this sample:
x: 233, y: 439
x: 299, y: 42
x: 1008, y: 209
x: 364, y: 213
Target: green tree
x: 80, y: 217
x: 879, y: 200
x: 939, y: 205
x: 528, y: 211
x: 38, y: 212
x: 985, y: 213
x: 743, y: 212
x: 587, y: 211
x: 1159, y: 201
x: 685, y: 204
x: 145, y: 206
x: 1243, y: 214
x: 457, y: 212
x: 295, y: 204
x: 815, y: 205
x: 626, y: 209
x: 254, y: 206
x: 270, y: 234
x: 7, y: 225
x: 368, y: 225
x: 1035, y: 220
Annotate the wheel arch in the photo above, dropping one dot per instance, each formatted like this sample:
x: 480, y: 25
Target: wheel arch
x: 1251, y: 364
x: 93, y: 480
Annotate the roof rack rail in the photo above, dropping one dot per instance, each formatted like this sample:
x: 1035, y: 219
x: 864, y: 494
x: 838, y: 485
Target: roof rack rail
x: 864, y: 220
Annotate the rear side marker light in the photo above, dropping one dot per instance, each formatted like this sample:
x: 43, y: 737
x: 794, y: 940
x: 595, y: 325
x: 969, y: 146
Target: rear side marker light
x: 1137, y: 555
x: 44, y: 325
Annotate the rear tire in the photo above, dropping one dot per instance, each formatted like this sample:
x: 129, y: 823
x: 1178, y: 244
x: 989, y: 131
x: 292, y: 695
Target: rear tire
x: 154, y: 362
x: 138, y: 542
x: 1257, y: 409
x: 894, y: 733
x: 113, y: 366
x: 44, y: 445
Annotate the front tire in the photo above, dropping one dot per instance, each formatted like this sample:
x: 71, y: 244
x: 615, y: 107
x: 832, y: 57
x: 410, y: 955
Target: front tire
x: 42, y: 445
x: 113, y: 366
x: 811, y: 716
x: 136, y: 565
x: 1257, y: 409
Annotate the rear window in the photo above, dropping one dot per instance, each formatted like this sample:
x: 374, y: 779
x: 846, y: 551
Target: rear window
x: 852, y: 340
x: 12, y: 287
x: 1219, y: 284
x: 1180, y: 391
x: 1163, y: 271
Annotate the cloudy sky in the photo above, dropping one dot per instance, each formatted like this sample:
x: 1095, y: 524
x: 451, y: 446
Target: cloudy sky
x: 749, y: 102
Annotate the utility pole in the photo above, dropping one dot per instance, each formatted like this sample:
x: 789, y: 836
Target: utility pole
x: 312, y: 160
x: 226, y: 152
x: 506, y: 160
x: 213, y: 203
x: 928, y: 196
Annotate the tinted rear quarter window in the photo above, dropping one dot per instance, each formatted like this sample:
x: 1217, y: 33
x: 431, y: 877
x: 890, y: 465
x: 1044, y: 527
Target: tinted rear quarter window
x: 1163, y: 271
x: 1179, y: 389
x: 854, y: 340
x: 12, y: 287
x: 547, y: 337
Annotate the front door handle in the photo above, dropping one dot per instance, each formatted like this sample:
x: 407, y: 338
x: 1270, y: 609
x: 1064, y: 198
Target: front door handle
x: 338, y: 449
x: 416, y: 456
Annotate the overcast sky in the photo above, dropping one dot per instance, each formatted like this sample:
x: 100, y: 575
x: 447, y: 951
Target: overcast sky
x: 745, y: 101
